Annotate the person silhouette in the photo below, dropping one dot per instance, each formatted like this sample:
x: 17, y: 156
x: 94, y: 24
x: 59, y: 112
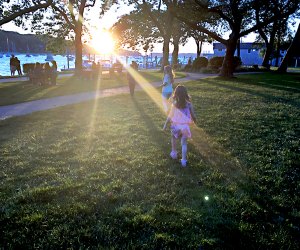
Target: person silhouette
x: 18, y: 66
x: 131, y: 76
x: 12, y: 65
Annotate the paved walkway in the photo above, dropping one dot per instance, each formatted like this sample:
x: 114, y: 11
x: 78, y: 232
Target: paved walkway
x: 50, y: 103
x: 21, y: 79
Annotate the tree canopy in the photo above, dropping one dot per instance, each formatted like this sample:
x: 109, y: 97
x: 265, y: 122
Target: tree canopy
x: 22, y: 10
x: 239, y: 17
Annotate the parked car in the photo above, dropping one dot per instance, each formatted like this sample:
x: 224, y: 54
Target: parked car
x: 86, y: 64
x: 105, y: 65
x: 117, y: 66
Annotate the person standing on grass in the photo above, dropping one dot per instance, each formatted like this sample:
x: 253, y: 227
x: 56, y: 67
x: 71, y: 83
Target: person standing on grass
x: 12, y: 65
x: 53, y: 72
x: 131, y: 75
x: 47, y: 73
x: 181, y: 116
x: 18, y: 66
x: 167, y: 87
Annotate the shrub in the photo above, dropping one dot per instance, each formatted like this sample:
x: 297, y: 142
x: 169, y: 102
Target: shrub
x: 200, y: 62
x: 27, y: 67
x: 188, y: 67
x: 216, y: 62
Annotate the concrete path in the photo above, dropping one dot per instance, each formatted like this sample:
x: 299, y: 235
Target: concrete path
x: 50, y: 103
x: 21, y: 79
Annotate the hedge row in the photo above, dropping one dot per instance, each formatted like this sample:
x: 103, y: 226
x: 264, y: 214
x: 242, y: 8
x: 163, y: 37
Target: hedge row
x: 27, y: 67
x: 213, y: 63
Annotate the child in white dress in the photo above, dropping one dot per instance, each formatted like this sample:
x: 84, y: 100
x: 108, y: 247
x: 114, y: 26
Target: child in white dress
x: 167, y: 87
x: 181, y: 116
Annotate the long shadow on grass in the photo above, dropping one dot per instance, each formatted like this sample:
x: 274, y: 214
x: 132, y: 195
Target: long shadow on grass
x: 149, y: 123
x: 212, y: 154
x: 289, y: 83
x: 254, y: 93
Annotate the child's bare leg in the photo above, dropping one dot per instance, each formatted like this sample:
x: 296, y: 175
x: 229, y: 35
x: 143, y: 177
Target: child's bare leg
x: 165, y: 104
x: 173, y: 142
x: 183, y: 150
x: 173, y: 152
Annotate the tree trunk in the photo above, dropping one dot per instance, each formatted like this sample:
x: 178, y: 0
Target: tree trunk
x: 166, y: 51
x: 78, y: 41
x: 78, y: 48
x: 198, y: 48
x: 227, y: 66
x: 238, y: 48
x: 167, y: 37
x: 267, y: 55
x: 175, y: 53
x: 277, y: 50
x: 269, y: 47
x: 269, y: 44
x: 290, y: 52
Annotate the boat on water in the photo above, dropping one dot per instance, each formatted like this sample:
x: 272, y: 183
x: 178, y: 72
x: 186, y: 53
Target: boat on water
x: 28, y: 55
x: 8, y: 54
x: 49, y: 58
x: 70, y: 58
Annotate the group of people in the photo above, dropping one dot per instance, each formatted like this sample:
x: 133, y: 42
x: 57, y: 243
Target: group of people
x: 15, y: 65
x: 178, y: 107
x: 44, y: 74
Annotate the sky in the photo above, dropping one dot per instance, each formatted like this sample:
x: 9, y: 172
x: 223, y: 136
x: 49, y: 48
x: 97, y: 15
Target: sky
x: 111, y: 17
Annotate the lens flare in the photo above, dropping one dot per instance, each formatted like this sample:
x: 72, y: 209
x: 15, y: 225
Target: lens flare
x: 103, y: 42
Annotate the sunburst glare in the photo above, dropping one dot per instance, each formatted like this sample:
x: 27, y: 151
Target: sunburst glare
x: 152, y: 92
x: 103, y: 42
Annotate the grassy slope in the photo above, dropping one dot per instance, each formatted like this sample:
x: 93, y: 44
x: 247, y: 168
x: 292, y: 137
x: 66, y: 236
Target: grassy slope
x: 99, y: 175
x: 11, y: 93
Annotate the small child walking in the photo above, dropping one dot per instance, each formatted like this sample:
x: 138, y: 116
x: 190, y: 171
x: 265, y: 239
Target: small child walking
x: 181, y: 116
x: 167, y: 86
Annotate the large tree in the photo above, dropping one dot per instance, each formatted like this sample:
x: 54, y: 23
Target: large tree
x: 276, y: 32
x: 199, y: 38
x: 237, y: 15
x: 67, y: 19
x: 162, y: 19
x: 21, y: 10
x: 293, y: 50
x: 139, y: 28
x: 179, y: 36
x: 135, y: 30
x: 71, y: 13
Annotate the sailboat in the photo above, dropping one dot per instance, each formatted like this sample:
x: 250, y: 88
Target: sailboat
x: 49, y: 57
x: 70, y: 57
x: 8, y: 54
x: 28, y: 55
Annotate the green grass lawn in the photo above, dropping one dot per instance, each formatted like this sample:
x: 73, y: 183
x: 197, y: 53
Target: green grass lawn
x: 11, y: 93
x: 98, y: 174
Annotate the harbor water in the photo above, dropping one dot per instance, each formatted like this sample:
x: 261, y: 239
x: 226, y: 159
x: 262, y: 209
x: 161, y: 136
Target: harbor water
x: 5, y: 68
x: 62, y: 61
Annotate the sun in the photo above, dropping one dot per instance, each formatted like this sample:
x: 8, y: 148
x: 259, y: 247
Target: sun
x: 103, y: 42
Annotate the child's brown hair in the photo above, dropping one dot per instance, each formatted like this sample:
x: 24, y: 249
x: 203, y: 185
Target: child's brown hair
x: 181, y: 97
